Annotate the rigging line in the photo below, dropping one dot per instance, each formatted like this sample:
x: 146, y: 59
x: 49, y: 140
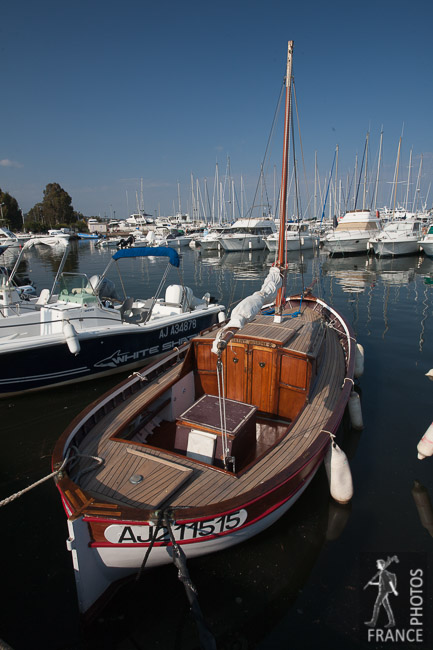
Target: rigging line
x: 327, y: 189
x: 277, y: 110
x: 297, y: 208
x: 302, y: 149
x: 360, y: 173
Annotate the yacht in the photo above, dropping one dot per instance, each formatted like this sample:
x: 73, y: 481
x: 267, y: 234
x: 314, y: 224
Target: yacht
x: 210, y: 241
x: 247, y: 234
x: 397, y: 238
x: 298, y: 236
x: 352, y: 233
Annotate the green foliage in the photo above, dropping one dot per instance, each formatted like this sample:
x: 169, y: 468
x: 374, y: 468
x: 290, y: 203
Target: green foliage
x: 57, y: 206
x: 10, y: 214
x: 81, y: 225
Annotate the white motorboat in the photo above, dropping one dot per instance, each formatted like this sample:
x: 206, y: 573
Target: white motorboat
x: 88, y: 330
x: 397, y: 238
x: 8, y: 238
x: 210, y: 240
x: 50, y: 240
x: 352, y: 233
x: 247, y: 234
x: 298, y: 236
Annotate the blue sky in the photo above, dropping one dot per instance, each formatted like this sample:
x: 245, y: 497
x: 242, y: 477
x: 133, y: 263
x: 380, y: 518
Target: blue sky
x: 99, y: 95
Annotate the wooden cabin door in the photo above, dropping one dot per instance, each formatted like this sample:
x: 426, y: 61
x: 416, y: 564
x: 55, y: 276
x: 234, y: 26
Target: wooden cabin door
x: 261, y: 370
x: 236, y: 371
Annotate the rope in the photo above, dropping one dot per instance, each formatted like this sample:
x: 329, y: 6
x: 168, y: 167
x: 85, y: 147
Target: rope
x: 331, y: 435
x: 33, y: 485
x: 149, y: 548
x: 207, y: 640
x: 53, y: 474
x: 222, y: 408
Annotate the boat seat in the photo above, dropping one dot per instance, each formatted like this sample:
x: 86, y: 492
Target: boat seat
x: 43, y: 297
x: 126, y: 308
x: 136, y: 315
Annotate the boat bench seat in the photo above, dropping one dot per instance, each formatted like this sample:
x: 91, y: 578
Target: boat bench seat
x: 78, y: 296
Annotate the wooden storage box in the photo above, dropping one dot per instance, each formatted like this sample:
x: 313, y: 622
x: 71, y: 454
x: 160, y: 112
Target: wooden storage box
x: 204, y: 415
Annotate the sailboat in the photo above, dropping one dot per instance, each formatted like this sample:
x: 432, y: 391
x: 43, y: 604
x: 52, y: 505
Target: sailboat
x: 211, y: 444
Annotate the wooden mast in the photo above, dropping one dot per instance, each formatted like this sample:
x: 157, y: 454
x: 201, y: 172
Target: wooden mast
x: 281, y: 262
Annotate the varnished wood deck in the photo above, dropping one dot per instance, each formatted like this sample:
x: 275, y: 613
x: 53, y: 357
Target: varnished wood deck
x: 194, y: 484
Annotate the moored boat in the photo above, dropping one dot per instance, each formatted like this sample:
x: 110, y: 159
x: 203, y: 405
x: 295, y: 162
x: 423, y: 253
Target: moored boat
x: 397, y: 238
x: 87, y: 329
x: 247, y: 234
x: 212, y: 443
x: 352, y: 234
x: 298, y: 237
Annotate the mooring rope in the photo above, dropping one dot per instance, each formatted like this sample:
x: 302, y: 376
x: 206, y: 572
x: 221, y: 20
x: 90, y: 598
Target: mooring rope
x: 33, y: 485
x: 207, y: 640
x: 51, y: 475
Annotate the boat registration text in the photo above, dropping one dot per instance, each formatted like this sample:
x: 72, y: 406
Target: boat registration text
x: 124, y: 534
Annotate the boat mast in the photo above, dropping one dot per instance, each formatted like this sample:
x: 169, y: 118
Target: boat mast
x: 280, y: 262
x: 408, y: 181
x: 397, y: 164
x: 364, y: 196
x: 378, y: 169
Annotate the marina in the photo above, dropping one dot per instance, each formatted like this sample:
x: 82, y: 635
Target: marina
x: 215, y: 384
x: 292, y: 565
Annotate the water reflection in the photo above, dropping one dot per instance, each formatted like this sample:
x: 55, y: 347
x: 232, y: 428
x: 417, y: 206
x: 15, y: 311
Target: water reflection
x: 423, y: 505
x: 395, y: 271
x: 245, y: 265
x: 353, y: 274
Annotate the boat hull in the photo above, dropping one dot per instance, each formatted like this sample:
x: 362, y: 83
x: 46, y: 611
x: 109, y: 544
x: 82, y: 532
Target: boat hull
x: 343, y: 246
x: 50, y: 363
x: 394, y: 248
x: 303, y: 243
x: 100, y: 564
x: 233, y: 243
x: 427, y: 247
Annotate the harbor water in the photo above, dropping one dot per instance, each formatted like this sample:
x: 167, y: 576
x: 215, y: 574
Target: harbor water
x: 300, y: 584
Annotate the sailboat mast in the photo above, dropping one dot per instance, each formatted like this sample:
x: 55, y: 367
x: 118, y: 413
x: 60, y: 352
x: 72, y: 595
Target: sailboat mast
x: 378, y: 170
x: 396, y: 176
x: 280, y: 262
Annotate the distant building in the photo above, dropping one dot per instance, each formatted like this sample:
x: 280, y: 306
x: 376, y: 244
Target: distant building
x: 95, y: 226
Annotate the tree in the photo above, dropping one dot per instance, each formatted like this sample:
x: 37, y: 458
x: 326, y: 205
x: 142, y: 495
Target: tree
x: 10, y: 214
x: 57, y: 206
x: 35, y: 220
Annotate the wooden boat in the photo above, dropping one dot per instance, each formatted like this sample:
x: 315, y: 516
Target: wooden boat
x: 211, y: 444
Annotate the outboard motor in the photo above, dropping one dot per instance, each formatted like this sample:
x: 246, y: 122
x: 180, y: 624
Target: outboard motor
x: 105, y: 288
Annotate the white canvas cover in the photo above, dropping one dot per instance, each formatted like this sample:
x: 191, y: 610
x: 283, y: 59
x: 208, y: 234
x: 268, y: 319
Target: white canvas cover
x: 249, y: 307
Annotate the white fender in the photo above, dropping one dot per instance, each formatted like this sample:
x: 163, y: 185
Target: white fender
x: 71, y: 338
x: 355, y: 411
x: 359, y: 361
x: 425, y: 445
x: 339, y: 474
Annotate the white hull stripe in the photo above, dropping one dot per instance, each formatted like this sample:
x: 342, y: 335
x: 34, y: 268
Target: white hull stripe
x: 51, y: 375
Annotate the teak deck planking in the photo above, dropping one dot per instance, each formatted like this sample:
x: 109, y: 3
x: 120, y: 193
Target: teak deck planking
x: 205, y: 484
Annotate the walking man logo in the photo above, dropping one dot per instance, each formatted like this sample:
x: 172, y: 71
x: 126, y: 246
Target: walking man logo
x: 387, y: 584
